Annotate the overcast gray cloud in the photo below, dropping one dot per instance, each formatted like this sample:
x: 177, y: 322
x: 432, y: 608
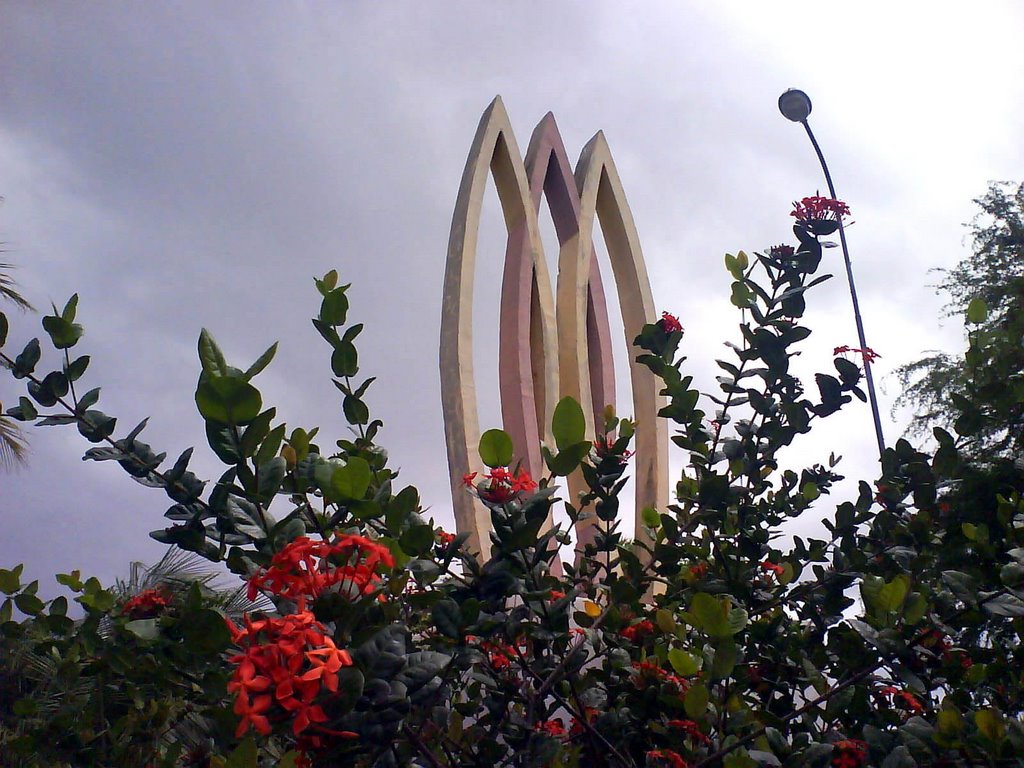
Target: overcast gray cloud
x: 191, y: 165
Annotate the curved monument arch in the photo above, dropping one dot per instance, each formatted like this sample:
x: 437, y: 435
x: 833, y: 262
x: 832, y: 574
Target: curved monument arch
x: 535, y: 367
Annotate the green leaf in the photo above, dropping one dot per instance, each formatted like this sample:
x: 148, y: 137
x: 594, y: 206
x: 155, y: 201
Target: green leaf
x: 355, y: 410
x: 25, y: 363
x: 810, y: 491
x: 696, y: 701
x: 565, y: 462
x: 990, y: 724
x: 650, y: 517
x: 62, y: 333
x: 710, y: 615
x: 496, y: 448
x: 10, y: 580
x: 76, y: 368
x: 724, y: 661
x: 977, y: 310
x: 352, y: 480
x: 144, y: 629
x: 683, y: 663
x: 3, y: 328
x: 210, y: 356
x: 568, y: 425
x: 261, y: 362
x: 417, y: 540
x: 334, y: 307
x: 245, y: 755
x: 345, y: 359
x: 204, y: 632
x: 257, y: 432
x: 892, y: 595
x: 228, y: 400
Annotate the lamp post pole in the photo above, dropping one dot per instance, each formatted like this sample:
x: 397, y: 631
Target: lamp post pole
x: 796, y: 106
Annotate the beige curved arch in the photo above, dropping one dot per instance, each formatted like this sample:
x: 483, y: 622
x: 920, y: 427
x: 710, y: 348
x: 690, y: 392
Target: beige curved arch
x: 494, y: 150
x: 602, y: 196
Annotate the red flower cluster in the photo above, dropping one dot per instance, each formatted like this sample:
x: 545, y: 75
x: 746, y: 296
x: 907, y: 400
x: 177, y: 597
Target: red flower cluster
x: 670, y: 323
x: 665, y: 757
x: 691, y: 729
x: 499, y: 655
x: 284, y: 664
x: 445, y: 538
x: 818, y: 208
x: 551, y: 727
x: 604, y: 447
x: 303, y: 569
x: 147, y: 604
x: 499, y: 485
x: 778, y: 570
x: 699, y: 571
x: 867, y: 353
x: 903, y: 699
x: 781, y: 251
x: 637, y: 632
x: 648, y: 672
x: 589, y: 714
x: 850, y: 753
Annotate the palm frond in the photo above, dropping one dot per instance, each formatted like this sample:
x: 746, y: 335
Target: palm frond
x: 13, y: 447
x: 8, y: 290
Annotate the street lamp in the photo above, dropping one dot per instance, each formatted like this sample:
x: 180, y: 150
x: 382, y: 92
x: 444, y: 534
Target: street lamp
x: 795, y: 105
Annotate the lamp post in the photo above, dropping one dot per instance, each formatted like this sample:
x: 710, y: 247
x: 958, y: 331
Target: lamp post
x: 796, y: 106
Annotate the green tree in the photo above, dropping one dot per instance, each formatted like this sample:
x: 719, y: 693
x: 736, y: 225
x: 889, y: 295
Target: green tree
x: 980, y: 395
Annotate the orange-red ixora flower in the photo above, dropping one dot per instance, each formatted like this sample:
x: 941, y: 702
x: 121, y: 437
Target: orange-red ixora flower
x: 147, y: 604
x: 605, y: 445
x: 304, y: 568
x: 551, y: 727
x: 556, y: 594
x: 284, y: 664
x: 500, y: 485
x: 849, y: 753
x: 867, y: 353
x: 775, y: 568
x: 903, y: 699
x: 638, y: 631
x: 670, y: 323
x: 818, y: 208
x: 665, y: 757
x: 445, y: 538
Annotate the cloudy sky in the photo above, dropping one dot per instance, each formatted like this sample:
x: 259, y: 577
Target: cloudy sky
x: 193, y: 165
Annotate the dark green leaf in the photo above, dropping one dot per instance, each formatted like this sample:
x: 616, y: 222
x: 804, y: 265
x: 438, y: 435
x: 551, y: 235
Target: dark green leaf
x: 496, y: 448
x: 261, y: 362
x: 568, y: 425
x: 228, y: 400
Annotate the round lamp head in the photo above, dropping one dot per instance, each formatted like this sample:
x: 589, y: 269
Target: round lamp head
x: 795, y: 105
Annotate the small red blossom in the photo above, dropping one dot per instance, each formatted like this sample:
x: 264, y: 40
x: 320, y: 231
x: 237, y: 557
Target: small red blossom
x: 551, y: 727
x: 556, y: 594
x: 147, y: 604
x: 903, y: 699
x: 445, y: 538
x: 849, y: 753
x: 781, y: 251
x: 775, y: 568
x: 467, y: 480
x: 699, y: 571
x: 665, y: 757
x: 499, y: 655
x: 500, y: 485
x: 605, y: 446
x: 867, y: 353
x: 647, y: 673
x: 691, y: 729
x: 637, y: 632
x: 577, y: 727
x: 818, y: 208
x: 670, y: 323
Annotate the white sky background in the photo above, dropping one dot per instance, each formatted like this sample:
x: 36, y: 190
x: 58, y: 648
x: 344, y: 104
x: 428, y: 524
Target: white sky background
x: 194, y: 165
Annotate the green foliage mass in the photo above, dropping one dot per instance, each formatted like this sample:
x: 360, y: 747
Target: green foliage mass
x: 711, y: 640
x: 980, y: 394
